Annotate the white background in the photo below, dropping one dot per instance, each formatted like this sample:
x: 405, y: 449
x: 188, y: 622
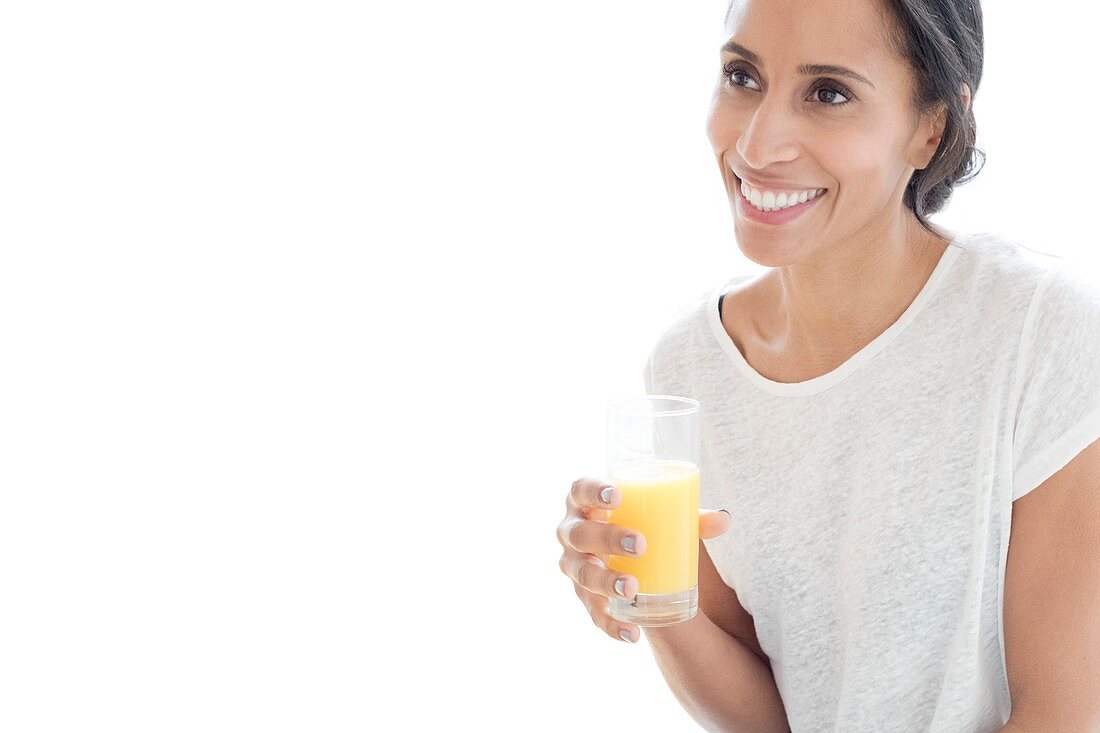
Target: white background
x: 308, y: 312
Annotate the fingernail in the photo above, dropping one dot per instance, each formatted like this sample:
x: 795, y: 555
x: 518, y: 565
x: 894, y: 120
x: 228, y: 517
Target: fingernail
x: 626, y: 636
x: 620, y: 586
x: 605, y: 495
x: 727, y: 513
x: 628, y: 544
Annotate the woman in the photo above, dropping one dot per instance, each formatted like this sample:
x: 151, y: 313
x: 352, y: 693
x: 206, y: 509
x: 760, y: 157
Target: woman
x: 876, y: 406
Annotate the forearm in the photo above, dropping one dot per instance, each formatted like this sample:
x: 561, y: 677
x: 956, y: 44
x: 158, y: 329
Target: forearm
x: 1050, y: 722
x: 717, y: 679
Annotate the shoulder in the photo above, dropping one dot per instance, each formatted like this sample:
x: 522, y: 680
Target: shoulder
x: 1064, y: 310
x: 1058, y: 344
x: 1070, y: 289
x: 688, y: 329
x: 1006, y: 265
x: 1001, y: 276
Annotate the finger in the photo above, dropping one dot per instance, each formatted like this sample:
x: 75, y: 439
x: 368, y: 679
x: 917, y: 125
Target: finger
x: 597, y: 611
x: 713, y: 523
x: 592, y: 493
x: 593, y: 575
x: 600, y: 538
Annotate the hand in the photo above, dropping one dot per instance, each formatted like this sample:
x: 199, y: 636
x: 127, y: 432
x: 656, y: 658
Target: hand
x: 587, y: 539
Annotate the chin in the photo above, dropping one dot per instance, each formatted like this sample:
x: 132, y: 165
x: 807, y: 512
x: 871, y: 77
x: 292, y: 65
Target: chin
x: 766, y: 249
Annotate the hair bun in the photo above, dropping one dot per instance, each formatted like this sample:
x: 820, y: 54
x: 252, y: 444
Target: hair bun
x: 942, y: 41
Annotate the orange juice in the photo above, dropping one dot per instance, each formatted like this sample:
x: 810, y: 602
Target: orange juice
x: 660, y: 500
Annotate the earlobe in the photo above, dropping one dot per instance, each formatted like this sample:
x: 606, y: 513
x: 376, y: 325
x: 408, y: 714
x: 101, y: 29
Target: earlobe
x: 965, y: 92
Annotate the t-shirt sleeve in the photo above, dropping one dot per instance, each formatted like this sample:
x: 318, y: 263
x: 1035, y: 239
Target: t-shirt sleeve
x: 1058, y: 376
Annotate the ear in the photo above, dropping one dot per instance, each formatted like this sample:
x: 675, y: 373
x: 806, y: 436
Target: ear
x: 930, y: 131
x: 927, y: 138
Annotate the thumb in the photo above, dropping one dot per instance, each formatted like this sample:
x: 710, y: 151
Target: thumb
x: 713, y: 523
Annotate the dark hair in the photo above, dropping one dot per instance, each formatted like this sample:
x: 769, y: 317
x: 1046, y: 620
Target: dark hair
x: 943, y: 42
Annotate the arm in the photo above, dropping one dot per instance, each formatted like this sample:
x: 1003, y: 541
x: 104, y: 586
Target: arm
x: 1052, y: 602
x: 719, y: 679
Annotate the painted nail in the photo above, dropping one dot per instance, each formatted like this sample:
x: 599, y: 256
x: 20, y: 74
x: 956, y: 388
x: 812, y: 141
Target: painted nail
x: 605, y: 495
x: 625, y: 636
x: 620, y: 586
x: 628, y: 544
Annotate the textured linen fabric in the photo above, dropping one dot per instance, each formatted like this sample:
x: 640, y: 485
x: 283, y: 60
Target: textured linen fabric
x: 872, y: 505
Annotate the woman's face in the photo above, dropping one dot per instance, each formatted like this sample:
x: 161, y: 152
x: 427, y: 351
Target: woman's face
x: 792, y: 129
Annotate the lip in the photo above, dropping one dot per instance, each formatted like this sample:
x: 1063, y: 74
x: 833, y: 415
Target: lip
x: 751, y: 213
x: 774, y: 185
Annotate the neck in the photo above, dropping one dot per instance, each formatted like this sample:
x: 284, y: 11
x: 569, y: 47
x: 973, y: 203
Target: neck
x: 829, y: 306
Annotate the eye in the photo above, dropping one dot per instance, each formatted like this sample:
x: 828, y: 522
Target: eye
x: 734, y: 74
x: 831, y: 93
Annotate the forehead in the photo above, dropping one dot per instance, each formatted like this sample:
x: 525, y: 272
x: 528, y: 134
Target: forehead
x: 785, y: 33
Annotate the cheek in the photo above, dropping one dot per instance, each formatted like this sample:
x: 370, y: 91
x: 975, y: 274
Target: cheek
x: 854, y: 156
x: 721, y: 125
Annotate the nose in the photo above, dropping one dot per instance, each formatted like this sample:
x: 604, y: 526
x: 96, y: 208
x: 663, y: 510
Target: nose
x: 770, y: 136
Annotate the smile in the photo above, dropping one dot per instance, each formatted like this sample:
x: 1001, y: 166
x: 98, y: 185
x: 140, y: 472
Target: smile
x: 775, y: 207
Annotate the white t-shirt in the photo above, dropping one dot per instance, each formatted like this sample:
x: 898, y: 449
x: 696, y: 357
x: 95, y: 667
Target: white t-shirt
x: 871, y: 505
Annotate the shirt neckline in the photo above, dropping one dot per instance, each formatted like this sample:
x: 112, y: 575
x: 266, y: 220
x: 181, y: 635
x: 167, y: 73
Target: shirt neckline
x: 827, y: 380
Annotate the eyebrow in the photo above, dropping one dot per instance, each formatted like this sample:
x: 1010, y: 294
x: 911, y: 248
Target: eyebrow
x: 734, y: 47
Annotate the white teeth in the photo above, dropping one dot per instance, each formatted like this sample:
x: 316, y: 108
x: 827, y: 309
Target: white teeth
x: 775, y: 200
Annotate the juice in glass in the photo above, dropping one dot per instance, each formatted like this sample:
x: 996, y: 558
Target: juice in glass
x: 660, y: 500
x: 653, y: 459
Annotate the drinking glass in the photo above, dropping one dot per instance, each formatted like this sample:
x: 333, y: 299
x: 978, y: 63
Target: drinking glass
x: 653, y: 459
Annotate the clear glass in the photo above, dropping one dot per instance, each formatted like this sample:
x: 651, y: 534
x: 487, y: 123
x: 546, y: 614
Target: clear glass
x: 653, y: 459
